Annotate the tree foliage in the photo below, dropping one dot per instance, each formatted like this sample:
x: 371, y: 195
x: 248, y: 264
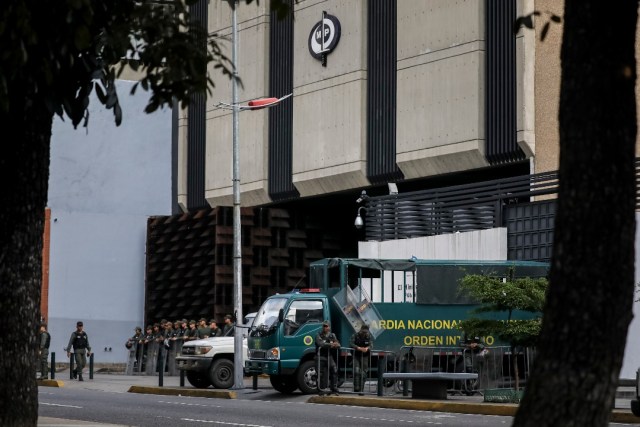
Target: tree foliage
x: 53, y: 55
x: 508, y: 297
x: 63, y: 50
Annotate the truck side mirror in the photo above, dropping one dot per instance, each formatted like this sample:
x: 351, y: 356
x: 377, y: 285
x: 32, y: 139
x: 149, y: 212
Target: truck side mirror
x: 281, y: 315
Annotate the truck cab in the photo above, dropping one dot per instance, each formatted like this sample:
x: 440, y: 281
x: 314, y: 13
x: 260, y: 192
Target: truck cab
x: 282, y: 339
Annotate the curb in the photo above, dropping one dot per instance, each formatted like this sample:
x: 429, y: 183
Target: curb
x: 50, y: 383
x: 420, y: 405
x: 508, y: 410
x: 172, y: 391
x: 624, y: 417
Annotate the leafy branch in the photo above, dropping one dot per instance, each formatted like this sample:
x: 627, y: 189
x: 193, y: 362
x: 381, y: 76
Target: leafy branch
x: 527, y: 21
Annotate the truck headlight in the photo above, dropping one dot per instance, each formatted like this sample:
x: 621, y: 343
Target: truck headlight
x: 202, y: 349
x: 273, y: 353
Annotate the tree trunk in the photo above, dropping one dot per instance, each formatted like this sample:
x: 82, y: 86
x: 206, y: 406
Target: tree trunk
x: 24, y: 162
x: 591, y: 290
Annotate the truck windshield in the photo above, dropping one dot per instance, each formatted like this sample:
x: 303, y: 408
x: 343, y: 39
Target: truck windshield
x: 268, y: 314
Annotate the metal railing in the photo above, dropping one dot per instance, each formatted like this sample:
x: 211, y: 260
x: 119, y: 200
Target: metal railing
x: 494, y: 366
x: 145, y: 358
x: 468, y: 207
x: 371, y: 368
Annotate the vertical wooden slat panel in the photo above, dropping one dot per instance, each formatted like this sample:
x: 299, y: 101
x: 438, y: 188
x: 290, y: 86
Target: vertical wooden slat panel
x: 501, y: 81
x: 281, y: 118
x: 196, y: 131
x: 382, y: 92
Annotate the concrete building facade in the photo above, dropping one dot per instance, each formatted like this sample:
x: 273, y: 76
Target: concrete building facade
x: 433, y: 120
x: 419, y: 94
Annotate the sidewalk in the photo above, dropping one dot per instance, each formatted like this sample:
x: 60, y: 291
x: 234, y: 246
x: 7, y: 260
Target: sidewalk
x: 171, y: 386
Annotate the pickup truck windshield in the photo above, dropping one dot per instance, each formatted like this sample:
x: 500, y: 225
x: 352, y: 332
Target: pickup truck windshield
x: 268, y: 314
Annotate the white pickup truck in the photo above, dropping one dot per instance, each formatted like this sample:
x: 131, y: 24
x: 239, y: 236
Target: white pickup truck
x: 209, y: 361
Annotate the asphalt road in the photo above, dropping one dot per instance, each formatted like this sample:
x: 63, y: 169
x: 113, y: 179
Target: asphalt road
x: 106, y: 401
x: 271, y: 409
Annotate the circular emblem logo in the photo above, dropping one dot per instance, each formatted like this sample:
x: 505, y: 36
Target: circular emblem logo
x: 308, y: 340
x: 327, y: 30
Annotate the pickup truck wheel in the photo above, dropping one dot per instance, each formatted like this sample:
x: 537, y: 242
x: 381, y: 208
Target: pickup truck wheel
x: 198, y: 379
x: 221, y: 373
x: 285, y: 384
x: 307, y: 377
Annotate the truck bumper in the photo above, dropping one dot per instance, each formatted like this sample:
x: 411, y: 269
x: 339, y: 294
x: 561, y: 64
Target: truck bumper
x: 269, y: 367
x: 186, y: 363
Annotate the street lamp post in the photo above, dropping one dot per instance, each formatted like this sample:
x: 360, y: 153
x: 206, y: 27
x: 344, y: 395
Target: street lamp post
x: 238, y: 372
x: 257, y: 104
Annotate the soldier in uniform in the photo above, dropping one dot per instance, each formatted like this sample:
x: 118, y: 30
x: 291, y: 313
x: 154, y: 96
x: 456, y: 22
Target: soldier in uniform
x: 148, y: 336
x: 177, y: 332
x: 167, y: 333
x: 192, y: 333
x: 184, y: 327
x: 215, y: 331
x: 203, y: 329
x: 472, y: 347
x: 158, y: 333
x: 134, y: 345
x: 168, y: 328
x: 146, y: 341
x: 362, y: 343
x: 135, y: 339
x: 79, y: 341
x: 229, y: 326
x: 326, y: 344
x: 43, y: 351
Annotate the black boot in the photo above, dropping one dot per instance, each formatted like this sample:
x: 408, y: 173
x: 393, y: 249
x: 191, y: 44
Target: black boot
x: 80, y: 377
x: 75, y: 374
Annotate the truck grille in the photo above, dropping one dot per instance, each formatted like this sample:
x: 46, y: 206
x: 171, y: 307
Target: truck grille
x: 188, y: 351
x: 257, y: 354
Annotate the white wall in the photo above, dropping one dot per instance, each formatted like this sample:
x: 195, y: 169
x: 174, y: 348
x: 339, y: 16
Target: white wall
x: 473, y: 245
x: 105, y: 181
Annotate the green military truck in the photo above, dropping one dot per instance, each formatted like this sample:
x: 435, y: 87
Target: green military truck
x: 404, y: 302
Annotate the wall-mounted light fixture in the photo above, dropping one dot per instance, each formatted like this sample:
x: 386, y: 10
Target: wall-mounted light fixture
x: 359, y: 222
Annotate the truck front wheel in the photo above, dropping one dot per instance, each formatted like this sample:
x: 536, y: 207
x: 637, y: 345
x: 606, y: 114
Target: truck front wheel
x: 221, y: 373
x: 285, y: 384
x: 307, y: 377
x: 198, y: 379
